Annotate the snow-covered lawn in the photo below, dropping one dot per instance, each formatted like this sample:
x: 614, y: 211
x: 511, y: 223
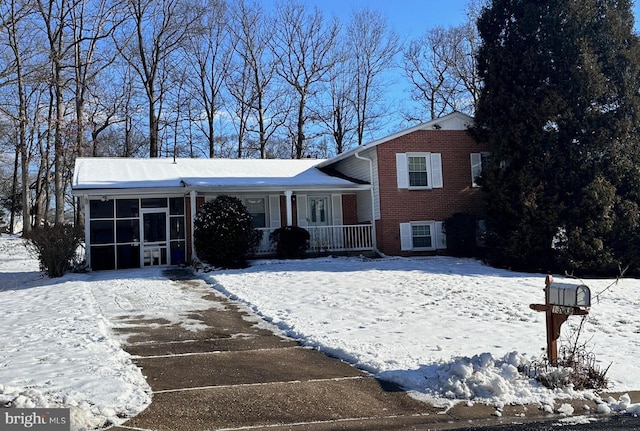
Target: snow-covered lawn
x: 442, y: 327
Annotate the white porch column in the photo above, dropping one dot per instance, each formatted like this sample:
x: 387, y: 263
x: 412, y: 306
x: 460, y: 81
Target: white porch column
x: 192, y: 202
x: 287, y: 195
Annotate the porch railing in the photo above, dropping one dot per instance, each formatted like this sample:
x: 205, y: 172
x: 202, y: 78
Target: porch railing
x: 325, y: 239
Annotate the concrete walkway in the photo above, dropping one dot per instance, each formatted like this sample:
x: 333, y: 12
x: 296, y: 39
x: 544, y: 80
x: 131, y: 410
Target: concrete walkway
x: 238, y: 375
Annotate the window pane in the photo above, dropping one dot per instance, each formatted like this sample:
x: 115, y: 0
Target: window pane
x: 176, y: 228
x: 127, y: 231
x: 155, y: 227
x: 126, y: 208
x: 103, y: 258
x: 101, y: 232
x: 258, y: 220
x: 100, y: 209
x: 128, y: 256
x: 176, y: 206
x: 422, y: 242
x: 258, y: 209
x: 417, y: 164
x: 418, y: 179
x: 322, y: 210
x: 421, y: 236
x: 255, y: 205
x: 178, y: 255
x: 418, y: 172
x: 154, y: 203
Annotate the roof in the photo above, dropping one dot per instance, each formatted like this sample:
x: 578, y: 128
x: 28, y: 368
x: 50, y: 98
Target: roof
x: 127, y: 173
x: 454, y: 121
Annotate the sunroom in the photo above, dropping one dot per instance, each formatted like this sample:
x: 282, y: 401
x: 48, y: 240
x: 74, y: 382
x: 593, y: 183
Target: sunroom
x: 139, y: 212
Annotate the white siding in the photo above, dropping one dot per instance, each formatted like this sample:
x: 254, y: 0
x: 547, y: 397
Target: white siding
x: 336, y: 210
x: 274, y: 211
x: 360, y: 170
x: 301, y: 202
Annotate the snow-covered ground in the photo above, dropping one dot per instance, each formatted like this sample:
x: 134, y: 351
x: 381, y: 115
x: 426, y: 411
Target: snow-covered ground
x: 444, y: 328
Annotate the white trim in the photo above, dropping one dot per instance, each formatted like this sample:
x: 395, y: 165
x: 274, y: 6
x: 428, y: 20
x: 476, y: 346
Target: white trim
x: 406, y: 242
x: 406, y: 236
x: 428, y: 165
x: 301, y: 203
x: 336, y: 210
x: 476, y: 167
x: 402, y: 170
x: 274, y: 211
x: 436, y: 171
x: 87, y: 231
x: 440, y: 236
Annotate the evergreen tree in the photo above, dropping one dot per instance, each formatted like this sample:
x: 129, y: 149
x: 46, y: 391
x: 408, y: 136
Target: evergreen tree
x: 560, y: 106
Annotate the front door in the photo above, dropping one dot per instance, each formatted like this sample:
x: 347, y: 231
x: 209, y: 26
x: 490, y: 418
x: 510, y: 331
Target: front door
x: 318, y: 223
x: 318, y: 211
x: 155, y: 235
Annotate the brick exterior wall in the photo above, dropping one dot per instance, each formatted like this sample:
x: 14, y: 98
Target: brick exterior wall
x: 403, y: 205
x: 349, y: 209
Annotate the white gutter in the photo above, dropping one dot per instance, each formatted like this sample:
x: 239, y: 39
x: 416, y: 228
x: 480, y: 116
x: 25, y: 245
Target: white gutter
x: 373, y: 206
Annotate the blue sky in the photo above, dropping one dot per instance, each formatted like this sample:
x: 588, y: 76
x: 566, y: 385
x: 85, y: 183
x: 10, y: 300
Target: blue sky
x: 411, y: 18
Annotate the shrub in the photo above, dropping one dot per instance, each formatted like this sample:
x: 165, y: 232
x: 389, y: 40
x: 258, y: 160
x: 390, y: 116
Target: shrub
x: 291, y: 242
x: 461, y: 230
x: 56, y: 247
x: 223, y: 232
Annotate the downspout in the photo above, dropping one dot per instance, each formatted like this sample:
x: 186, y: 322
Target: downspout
x: 373, y: 203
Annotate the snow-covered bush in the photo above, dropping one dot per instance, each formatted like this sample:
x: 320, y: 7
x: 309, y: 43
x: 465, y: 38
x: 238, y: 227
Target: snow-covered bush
x: 56, y: 247
x: 291, y: 242
x: 223, y: 232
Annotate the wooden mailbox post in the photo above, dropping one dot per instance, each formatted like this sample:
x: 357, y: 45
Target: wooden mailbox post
x: 561, y: 301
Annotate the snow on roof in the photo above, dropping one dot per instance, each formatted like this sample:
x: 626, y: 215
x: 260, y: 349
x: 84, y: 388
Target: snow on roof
x: 126, y: 173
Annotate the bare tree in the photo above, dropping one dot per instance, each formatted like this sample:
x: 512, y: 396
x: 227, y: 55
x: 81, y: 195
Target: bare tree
x: 153, y: 33
x: 256, y: 65
x: 207, y: 54
x: 302, y: 45
x: 372, y: 45
x: 90, y: 24
x: 12, y: 13
x: 442, y: 68
x: 55, y: 16
x: 339, y: 116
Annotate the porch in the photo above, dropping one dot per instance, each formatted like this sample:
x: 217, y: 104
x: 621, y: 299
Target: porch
x: 327, y: 239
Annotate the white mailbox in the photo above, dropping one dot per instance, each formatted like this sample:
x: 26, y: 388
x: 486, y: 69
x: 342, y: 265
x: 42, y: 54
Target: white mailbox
x: 569, y: 295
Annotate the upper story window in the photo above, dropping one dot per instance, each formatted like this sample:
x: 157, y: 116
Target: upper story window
x: 478, y: 160
x: 419, y: 170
